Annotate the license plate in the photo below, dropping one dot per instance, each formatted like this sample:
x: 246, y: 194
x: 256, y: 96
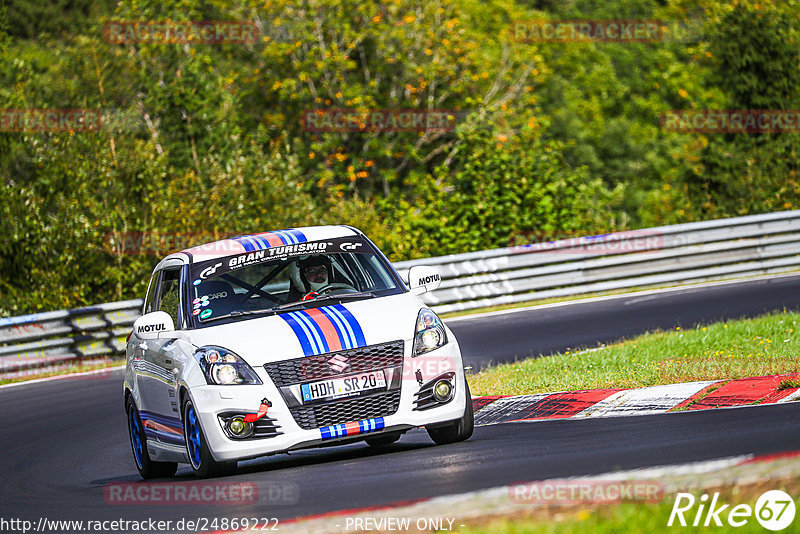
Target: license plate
x: 343, y: 387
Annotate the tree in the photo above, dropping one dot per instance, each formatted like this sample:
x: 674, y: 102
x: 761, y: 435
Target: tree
x: 756, y: 55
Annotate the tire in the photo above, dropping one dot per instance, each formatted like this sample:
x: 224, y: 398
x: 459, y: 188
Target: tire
x: 382, y: 441
x: 147, y: 468
x: 458, y: 430
x: 203, y: 463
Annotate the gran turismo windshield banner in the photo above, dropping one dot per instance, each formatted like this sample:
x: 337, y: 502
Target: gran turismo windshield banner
x: 264, y: 252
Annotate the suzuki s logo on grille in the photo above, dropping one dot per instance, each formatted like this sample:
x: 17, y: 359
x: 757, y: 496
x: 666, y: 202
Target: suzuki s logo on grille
x: 339, y: 363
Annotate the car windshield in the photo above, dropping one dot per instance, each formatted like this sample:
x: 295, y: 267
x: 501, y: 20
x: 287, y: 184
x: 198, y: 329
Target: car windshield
x: 271, y: 280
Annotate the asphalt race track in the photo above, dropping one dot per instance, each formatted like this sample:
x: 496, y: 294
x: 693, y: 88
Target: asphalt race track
x: 64, y: 441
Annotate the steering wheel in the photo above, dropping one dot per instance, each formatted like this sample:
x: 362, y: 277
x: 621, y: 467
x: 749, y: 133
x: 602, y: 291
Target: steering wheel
x: 332, y: 286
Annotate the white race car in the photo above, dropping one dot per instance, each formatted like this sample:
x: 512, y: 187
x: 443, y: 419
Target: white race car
x: 282, y: 340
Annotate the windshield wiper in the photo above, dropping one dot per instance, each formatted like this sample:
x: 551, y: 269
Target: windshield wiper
x: 238, y: 313
x: 322, y: 298
x: 299, y: 304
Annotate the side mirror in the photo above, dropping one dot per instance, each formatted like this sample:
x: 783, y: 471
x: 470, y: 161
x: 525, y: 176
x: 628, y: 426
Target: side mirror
x: 150, y: 325
x: 422, y: 278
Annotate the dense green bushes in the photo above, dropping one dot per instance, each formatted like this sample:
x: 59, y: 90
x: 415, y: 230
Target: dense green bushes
x: 551, y: 139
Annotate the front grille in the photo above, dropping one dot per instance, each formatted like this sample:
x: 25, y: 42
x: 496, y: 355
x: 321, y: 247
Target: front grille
x: 299, y: 370
x: 345, y: 411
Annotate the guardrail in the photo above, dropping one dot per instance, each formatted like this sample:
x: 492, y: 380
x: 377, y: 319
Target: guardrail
x: 692, y: 252
x: 667, y: 255
x: 33, y: 344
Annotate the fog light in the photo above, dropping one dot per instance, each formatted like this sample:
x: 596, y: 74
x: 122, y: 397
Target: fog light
x: 238, y: 427
x: 442, y: 390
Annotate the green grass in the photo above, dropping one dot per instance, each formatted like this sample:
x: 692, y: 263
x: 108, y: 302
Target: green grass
x: 764, y: 345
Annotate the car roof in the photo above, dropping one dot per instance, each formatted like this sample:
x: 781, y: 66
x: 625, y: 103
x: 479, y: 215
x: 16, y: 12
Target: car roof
x: 250, y: 242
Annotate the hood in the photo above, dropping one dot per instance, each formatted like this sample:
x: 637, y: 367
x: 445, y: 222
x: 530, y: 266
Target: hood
x: 316, y: 330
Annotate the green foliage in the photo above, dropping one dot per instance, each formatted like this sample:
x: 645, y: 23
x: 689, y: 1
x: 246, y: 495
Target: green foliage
x: 757, y: 55
x: 755, y: 62
x: 551, y: 139
x: 506, y: 192
x: 29, y: 19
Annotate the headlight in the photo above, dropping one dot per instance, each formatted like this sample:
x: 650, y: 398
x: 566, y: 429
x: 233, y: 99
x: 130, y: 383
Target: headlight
x: 223, y: 367
x: 429, y: 334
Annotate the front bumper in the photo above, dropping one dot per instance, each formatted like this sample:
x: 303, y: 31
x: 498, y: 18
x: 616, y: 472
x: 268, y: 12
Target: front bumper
x: 211, y: 401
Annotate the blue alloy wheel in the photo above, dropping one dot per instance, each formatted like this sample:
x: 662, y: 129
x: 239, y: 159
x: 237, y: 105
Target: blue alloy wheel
x: 203, y: 462
x: 193, y: 436
x: 147, y: 467
x: 135, y: 427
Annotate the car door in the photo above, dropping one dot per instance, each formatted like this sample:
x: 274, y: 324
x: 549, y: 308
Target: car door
x: 142, y: 361
x: 158, y: 382
x: 165, y: 351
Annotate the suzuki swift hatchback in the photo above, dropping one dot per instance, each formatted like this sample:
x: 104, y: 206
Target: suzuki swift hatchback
x: 283, y: 340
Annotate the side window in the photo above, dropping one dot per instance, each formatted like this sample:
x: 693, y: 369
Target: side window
x: 341, y: 272
x: 168, y: 300
x: 149, y: 299
x: 377, y: 277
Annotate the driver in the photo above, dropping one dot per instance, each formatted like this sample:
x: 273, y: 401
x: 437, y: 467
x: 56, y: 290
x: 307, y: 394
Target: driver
x: 314, y: 273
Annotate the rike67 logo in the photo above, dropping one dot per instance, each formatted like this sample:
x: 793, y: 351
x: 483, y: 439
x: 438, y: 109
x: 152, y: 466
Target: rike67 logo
x: 774, y: 510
